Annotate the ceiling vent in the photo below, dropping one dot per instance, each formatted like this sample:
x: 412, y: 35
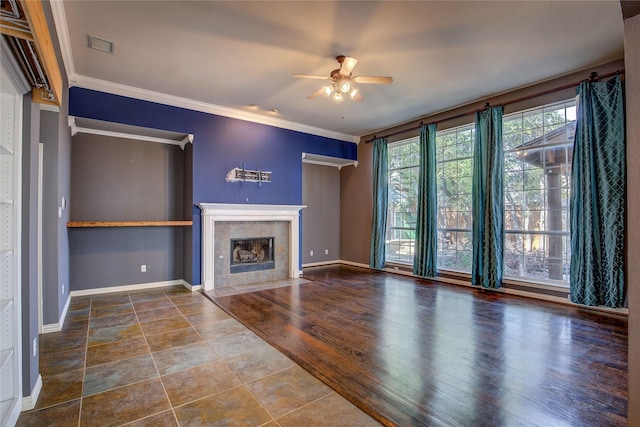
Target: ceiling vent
x: 102, y: 45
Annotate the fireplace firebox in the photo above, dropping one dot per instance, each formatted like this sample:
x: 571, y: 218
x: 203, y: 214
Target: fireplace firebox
x: 251, y: 254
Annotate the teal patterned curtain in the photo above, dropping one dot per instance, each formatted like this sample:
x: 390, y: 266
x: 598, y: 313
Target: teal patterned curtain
x: 488, y: 200
x: 380, y: 196
x: 598, y: 177
x: 426, y: 247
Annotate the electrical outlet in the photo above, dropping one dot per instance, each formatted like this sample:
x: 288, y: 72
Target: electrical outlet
x: 35, y: 347
x: 143, y: 268
x: 310, y: 253
x: 326, y: 251
x: 62, y: 288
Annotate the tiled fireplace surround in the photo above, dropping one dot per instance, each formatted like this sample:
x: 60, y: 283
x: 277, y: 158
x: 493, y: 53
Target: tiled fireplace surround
x: 222, y: 222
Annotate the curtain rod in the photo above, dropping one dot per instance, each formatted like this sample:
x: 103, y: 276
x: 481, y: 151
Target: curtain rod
x: 593, y: 77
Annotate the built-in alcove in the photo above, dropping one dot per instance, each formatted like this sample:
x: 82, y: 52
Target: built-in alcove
x: 130, y: 205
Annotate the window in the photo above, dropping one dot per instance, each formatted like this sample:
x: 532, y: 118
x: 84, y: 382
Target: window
x: 454, y: 163
x: 403, y: 159
x: 538, y: 148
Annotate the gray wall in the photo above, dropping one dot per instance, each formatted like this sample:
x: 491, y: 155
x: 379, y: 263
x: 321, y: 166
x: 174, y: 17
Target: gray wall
x: 116, y: 179
x: 632, y: 81
x: 29, y: 271
x: 50, y: 251
x: 104, y: 257
x: 321, y: 217
x: 64, y: 190
x: 56, y: 137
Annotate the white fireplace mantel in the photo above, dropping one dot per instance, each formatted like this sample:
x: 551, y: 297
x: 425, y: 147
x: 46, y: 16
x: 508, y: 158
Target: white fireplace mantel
x: 218, y: 212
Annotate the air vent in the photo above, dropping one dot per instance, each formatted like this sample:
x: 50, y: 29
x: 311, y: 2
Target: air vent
x: 101, y: 44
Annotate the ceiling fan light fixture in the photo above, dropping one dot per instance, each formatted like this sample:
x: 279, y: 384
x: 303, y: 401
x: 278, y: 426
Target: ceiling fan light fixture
x: 353, y: 93
x: 345, y: 86
x: 337, y: 96
x: 328, y: 90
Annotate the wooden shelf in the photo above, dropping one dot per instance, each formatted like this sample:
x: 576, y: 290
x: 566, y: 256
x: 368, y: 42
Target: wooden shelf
x: 94, y: 224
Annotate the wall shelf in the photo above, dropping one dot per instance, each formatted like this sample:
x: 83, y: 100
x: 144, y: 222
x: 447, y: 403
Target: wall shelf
x: 95, y: 224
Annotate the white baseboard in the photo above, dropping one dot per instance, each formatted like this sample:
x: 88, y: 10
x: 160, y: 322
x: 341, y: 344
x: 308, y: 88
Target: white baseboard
x: 29, y: 402
x: 191, y: 287
x: 320, y: 263
x: 355, y: 264
x: 128, y: 288
x: 57, y: 327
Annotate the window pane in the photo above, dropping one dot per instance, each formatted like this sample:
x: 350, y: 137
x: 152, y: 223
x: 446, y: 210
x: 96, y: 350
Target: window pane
x: 454, y: 171
x: 404, y: 157
x: 537, y: 182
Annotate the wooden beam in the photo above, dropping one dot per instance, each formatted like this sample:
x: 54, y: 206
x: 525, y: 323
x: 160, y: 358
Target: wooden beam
x: 34, y: 13
x: 11, y: 30
x: 41, y: 96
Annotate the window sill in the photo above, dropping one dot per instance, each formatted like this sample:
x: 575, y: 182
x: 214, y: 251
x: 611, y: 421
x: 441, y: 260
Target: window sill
x: 460, y: 275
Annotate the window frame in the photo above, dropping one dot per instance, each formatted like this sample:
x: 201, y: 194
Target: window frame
x: 542, y: 283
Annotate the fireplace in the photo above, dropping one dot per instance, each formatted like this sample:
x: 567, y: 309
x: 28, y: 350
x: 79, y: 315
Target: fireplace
x: 251, y: 254
x: 222, y: 222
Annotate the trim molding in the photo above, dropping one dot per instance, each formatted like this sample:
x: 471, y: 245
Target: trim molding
x: 29, y: 402
x: 336, y: 162
x: 218, y: 110
x: 62, y: 29
x: 57, y: 327
x: 127, y: 288
x: 224, y: 212
x: 75, y: 129
x: 321, y: 263
x: 12, y: 68
x: 60, y: 20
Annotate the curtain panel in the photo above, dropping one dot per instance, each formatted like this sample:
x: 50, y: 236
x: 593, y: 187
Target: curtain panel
x: 426, y: 245
x: 597, y: 206
x: 380, y: 197
x: 488, y: 200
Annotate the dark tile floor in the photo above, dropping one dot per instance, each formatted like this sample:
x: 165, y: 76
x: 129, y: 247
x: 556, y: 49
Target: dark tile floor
x: 169, y: 357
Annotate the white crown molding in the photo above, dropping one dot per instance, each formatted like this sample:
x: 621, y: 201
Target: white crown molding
x: 190, y: 104
x: 75, y: 79
x: 60, y: 21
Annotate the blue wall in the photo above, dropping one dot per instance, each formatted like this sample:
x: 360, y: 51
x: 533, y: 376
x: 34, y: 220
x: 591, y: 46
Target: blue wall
x: 220, y: 144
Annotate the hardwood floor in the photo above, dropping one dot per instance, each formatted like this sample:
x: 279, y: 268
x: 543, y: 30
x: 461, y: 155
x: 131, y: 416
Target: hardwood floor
x: 416, y: 352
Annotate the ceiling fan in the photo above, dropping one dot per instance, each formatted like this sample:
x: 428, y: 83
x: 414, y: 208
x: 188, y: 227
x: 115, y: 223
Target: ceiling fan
x: 342, y: 82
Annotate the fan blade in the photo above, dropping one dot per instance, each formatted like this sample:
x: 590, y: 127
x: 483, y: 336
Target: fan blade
x: 382, y: 80
x: 316, y: 93
x: 309, y: 76
x: 347, y: 66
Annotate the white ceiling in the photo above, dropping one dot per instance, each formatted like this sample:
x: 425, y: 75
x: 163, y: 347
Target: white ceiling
x: 223, y: 56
